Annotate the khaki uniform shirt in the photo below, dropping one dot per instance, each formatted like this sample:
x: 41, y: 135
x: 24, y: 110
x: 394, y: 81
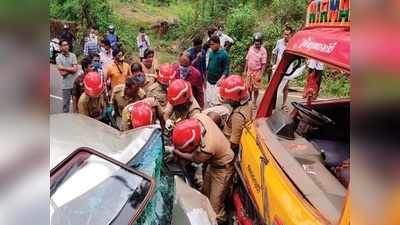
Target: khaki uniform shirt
x: 92, y: 107
x: 150, y: 79
x: 126, y: 123
x: 119, y: 100
x: 170, y: 113
x: 214, y: 143
x: 236, y: 122
x: 155, y: 90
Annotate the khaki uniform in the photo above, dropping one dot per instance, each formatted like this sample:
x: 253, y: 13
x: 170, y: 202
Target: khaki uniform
x: 155, y: 90
x: 236, y: 122
x: 174, y: 115
x: 215, y: 150
x: 149, y: 80
x: 126, y: 113
x: 119, y: 100
x: 92, y: 107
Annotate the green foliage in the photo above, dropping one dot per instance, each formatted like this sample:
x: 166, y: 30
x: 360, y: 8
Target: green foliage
x: 65, y: 9
x: 289, y: 11
x: 332, y: 84
x: 239, y: 25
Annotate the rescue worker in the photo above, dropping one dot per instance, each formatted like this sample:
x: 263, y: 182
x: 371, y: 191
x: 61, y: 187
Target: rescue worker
x: 137, y: 114
x: 92, y: 102
x: 200, y: 140
x: 181, y: 103
x: 234, y: 92
x: 158, y: 89
x: 136, y: 69
x: 126, y: 93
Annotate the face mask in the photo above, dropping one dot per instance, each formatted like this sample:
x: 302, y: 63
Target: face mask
x: 97, y: 66
x: 148, y: 61
x: 184, y: 72
x: 219, y: 33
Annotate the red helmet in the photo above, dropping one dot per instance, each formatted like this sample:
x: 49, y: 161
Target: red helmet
x: 233, y: 88
x: 93, y: 83
x: 141, y: 114
x: 179, y: 92
x: 186, y: 135
x: 166, y: 74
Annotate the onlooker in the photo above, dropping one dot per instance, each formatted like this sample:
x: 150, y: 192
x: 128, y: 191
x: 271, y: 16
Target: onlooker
x: 224, y: 39
x: 185, y: 71
x: 106, y: 54
x: 112, y: 37
x: 218, y: 69
x: 197, y: 56
x: 143, y: 42
x: 93, y: 34
x: 91, y: 46
x: 67, y: 65
x: 68, y: 36
x: 277, y: 53
x: 117, y: 72
x: 78, y: 86
x: 256, y: 61
x: 150, y: 62
x: 280, y: 46
x: 206, y: 47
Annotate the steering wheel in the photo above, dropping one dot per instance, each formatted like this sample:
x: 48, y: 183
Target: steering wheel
x: 315, y: 116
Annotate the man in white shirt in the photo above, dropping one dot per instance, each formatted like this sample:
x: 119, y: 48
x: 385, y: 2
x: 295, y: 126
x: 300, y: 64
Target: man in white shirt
x: 224, y: 39
x: 277, y: 53
x: 143, y: 42
x: 106, y: 56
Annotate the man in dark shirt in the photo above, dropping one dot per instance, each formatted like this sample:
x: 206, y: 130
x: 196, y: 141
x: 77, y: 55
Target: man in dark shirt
x: 185, y: 71
x: 217, y: 69
x: 197, y: 56
x: 78, y: 87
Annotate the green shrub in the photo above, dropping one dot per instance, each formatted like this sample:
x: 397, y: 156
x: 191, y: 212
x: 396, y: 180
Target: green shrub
x: 239, y: 25
x: 289, y: 11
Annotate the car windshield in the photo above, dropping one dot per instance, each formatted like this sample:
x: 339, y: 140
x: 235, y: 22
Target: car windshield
x: 91, y: 190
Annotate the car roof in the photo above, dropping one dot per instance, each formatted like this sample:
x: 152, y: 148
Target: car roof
x: 71, y: 131
x: 330, y: 45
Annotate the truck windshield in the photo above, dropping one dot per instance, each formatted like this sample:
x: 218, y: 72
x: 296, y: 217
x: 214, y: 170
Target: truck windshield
x: 91, y: 190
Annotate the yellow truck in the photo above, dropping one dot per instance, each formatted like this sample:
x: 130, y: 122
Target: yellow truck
x: 293, y: 168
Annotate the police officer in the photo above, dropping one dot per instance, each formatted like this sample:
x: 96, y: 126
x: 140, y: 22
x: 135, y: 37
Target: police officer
x: 158, y: 89
x: 92, y: 102
x: 200, y: 140
x: 124, y: 94
x: 137, y: 114
x: 181, y: 103
x: 233, y: 91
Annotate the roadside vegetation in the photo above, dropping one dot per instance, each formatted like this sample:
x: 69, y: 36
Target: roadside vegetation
x: 187, y: 18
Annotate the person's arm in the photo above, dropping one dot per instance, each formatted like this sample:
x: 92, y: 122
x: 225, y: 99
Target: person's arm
x: 147, y: 40
x: 82, y: 108
x: 196, y: 156
x: 138, y: 42
x: 75, y: 104
x: 245, y: 64
x: 274, y: 54
x: 168, y: 111
x: 200, y: 90
x: 238, y: 123
x: 86, y: 49
x: 225, y: 73
x: 264, y: 62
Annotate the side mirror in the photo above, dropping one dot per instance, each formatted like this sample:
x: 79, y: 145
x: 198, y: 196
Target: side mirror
x: 91, y: 188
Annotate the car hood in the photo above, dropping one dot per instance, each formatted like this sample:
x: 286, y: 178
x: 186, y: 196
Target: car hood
x: 69, y: 132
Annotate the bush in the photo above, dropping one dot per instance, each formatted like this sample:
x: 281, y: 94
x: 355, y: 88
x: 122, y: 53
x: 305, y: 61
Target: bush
x: 239, y: 25
x: 289, y: 11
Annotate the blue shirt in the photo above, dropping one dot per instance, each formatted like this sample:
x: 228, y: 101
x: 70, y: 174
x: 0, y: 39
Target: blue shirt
x: 218, y: 65
x: 201, y: 64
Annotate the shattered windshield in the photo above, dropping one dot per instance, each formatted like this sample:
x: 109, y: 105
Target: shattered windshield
x: 91, y: 190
